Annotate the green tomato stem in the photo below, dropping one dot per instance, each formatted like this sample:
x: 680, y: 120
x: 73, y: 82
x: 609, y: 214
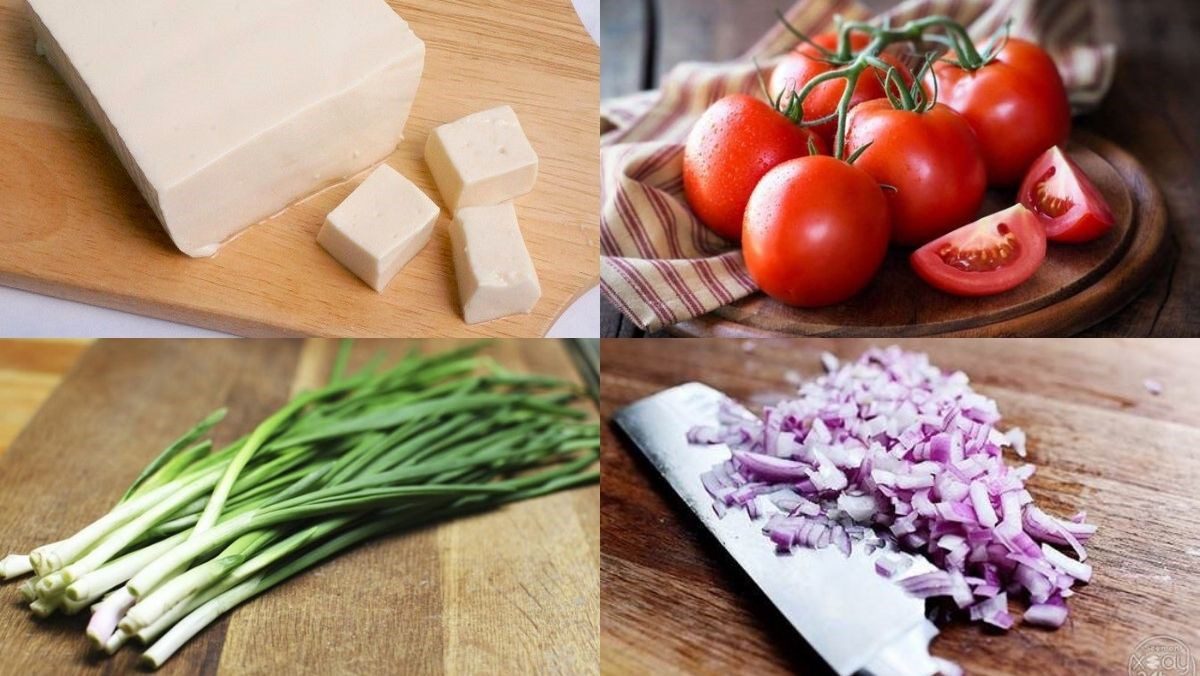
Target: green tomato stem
x: 853, y: 67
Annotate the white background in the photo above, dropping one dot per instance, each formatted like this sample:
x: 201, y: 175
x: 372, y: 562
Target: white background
x: 25, y: 314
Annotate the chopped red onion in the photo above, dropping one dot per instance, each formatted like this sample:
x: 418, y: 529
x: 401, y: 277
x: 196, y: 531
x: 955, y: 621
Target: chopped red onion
x: 1046, y: 528
x: 752, y: 508
x: 993, y: 611
x: 1076, y: 569
x: 1046, y: 615
x: 982, y: 503
x: 1152, y: 386
x: 770, y: 468
x: 990, y: 607
x: 891, y: 564
x: 890, y: 450
x: 1016, y: 439
x: 959, y: 590
x: 860, y: 508
x: 925, y: 585
x: 986, y: 591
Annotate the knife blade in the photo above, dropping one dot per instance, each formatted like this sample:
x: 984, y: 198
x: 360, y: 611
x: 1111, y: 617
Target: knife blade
x: 857, y: 620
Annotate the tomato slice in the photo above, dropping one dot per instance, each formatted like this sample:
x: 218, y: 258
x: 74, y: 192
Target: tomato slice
x: 991, y: 255
x: 1064, y: 200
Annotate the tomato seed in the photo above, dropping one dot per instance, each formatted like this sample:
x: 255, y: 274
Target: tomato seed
x: 983, y: 260
x: 1048, y: 203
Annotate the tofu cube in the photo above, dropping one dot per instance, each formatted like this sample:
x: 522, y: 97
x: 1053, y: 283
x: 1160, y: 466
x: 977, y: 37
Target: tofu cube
x: 482, y: 159
x: 379, y: 227
x: 496, y: 277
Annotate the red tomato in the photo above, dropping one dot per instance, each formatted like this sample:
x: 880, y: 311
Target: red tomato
x: 991, y: 255
x: 806, y: 62
x: 1068, y: 205
x: 733, y: 144
x: 931, y: 159
x: 816, y: 231
x: 1016, y: 104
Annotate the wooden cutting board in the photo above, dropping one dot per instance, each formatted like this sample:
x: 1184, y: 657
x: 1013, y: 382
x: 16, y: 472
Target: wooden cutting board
x: 511, y: 591
x: 73, y: 225
x: 1076, y: 287
x: 675, y: 602
x: 29, y: 372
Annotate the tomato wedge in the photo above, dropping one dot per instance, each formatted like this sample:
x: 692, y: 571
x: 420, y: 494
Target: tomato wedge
x: 990, y: 256
x: 1064, y: 200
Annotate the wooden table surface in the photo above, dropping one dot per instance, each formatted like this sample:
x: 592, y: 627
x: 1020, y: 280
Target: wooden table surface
x: 512, y: 591
x: 674, y: 602
x: 1151, y: 111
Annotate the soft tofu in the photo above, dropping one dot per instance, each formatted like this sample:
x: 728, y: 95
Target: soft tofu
x: 496, y: 277
x: 481, y: 159
x: 379, y: 228
x: 225, y: 112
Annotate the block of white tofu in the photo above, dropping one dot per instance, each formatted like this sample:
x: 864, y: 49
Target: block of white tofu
x: 225, y: 112
x: 496, y: 277
x: 379, y: 228
x: 481, y: 159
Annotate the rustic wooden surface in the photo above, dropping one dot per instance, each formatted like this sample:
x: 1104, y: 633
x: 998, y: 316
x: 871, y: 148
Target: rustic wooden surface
x: 511, y: 591
x: 73, y: 224
x: 1150, y: 112
x: 29, y: 372
x: 1074, y: 288
x: 673, y: 602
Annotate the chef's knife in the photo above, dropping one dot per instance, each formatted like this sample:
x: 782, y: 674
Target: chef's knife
x: 859, y: 621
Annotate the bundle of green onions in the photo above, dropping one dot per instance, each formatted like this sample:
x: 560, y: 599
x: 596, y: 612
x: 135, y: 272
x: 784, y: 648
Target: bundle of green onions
x: 202, y: 530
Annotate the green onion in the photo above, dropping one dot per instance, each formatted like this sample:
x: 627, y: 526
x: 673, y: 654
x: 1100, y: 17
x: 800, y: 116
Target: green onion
x: 202, y: 529
x: 15, y: 565
x: 169, y: 455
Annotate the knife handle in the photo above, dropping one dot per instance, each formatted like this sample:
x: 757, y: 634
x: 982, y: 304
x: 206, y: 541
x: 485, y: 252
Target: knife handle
x: 908, y: 655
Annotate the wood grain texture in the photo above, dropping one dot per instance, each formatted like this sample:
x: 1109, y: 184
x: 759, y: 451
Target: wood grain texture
x: 1075, y: 287
x: 73, y: 224
x: 29, y: 372
x: 1150, y: 112
x: 514, y: 590
x: 674, y: 602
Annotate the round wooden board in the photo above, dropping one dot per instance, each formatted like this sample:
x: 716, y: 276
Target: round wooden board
x: 1076, y: 287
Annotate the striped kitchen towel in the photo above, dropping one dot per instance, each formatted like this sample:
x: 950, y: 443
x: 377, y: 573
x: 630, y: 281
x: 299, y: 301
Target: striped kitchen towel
x: 658, y: 264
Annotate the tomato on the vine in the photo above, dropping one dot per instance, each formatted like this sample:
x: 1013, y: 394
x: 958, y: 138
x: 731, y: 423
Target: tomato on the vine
x: 1060, y: 194
x: 733, y: 144
x: 1016, y: 104
x: 930, y: 158
x: 992, y: 255
x: 806, y: 62
x: 816, y: 231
